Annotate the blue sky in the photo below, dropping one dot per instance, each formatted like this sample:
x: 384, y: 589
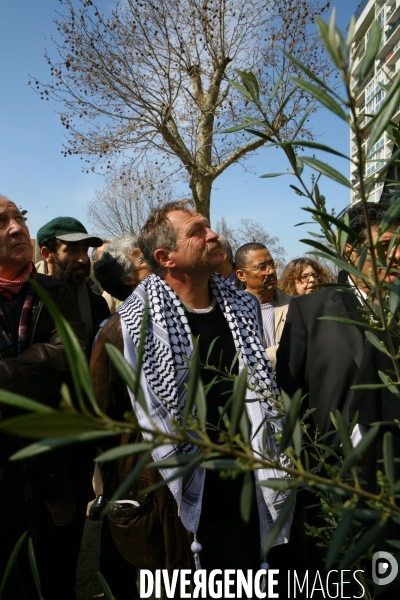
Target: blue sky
x: 36, y: 176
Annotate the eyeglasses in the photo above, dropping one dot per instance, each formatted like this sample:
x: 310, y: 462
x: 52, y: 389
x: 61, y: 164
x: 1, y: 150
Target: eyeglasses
x: 268, y: 265
x: 306, y: 276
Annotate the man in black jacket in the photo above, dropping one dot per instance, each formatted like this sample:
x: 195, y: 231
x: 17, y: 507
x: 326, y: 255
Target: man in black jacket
x: 322, y: 357
x: 64, y: 244
x: 46, y: 495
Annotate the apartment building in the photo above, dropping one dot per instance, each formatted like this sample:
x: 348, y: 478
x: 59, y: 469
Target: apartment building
x: 370, y: 95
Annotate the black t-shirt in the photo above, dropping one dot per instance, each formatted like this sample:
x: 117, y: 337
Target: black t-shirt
x: 221, y: 496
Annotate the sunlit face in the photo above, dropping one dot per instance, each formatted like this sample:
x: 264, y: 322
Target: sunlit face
x: 392, y: 256
x: 307, y: 282
x: 70, y: 263
x: 259, y: 275
x: 197, y: 246
x: 15, y: 241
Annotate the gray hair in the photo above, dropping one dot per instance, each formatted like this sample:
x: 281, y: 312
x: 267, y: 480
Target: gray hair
x: 115, y: 268
x: 121, y: 250
x: 158, y: 232
x: 227, y: 248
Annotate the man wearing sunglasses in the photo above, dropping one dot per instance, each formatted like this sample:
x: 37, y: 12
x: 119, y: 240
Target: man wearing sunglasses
x: 256, y: 269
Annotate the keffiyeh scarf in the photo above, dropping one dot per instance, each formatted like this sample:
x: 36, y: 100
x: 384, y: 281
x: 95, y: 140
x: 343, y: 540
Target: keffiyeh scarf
x: 168, y: 345
x: 7, y: 349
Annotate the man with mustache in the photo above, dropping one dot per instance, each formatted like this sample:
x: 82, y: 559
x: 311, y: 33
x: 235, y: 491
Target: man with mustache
x: 64, y: 244
x: 199, y: 516
x: 256, y: 269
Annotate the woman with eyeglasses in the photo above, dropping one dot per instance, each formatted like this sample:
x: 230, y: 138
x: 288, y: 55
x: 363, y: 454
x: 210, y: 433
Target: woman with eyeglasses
x: 303, y: 276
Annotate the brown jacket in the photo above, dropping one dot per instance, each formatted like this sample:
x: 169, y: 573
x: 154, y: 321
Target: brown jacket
x: 154, y: 538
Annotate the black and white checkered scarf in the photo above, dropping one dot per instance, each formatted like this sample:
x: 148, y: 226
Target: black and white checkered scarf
x: 168, y: 345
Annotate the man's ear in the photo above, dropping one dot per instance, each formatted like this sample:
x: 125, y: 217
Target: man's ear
x: 46, y: 255
x: 163, y: 257
x: 240, y: 275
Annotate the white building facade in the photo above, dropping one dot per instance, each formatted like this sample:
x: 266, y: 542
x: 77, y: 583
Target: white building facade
x: 370, y: 95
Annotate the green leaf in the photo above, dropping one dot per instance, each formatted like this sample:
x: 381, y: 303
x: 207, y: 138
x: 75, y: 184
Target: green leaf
x: 179, y: 474
x: 193, y: 378
x: 172, y: 462
x: 34, y: 568
x: 388, y: 460
x: 292, y: 421
x: 308, y: 72
x: 345, y: 266
x: 331, y: 42
x: 278, y: 525
x: 392, y: 215
x: 375, y: 341
x: 394, y: 299
x: 343, y: 434
x: 49, y: 444
x: 315, y: 145
x: 250, y: 82
x: 235, y: 128
x: 326, y: 170
x: 339, y: 539
x: 201, y: 404
x: 383, y: 117
x: 128, y: 375
x: 374, y: 39
x: 124, y: 450
x: 23, y: 402
x: 59, y: 423
x: 262, y: 134
x: 77, y: 359
x: 319, y: 246
x: 241, y: 89
x: 363, y: 544
x: 302, y: 121
x: 275, y: 89
x: 105, y: 587
x: 353, y: 457
x: 275, y: 174
x: 322, y: 97
x: 11, y: 561
x: 246, y: 496
x: 220, y: 464
x: 239, y: 398
x: 299, y: 192
x: 244, y: 425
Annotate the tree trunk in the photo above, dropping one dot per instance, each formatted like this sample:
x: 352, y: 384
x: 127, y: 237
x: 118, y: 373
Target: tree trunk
x: 201, y: 185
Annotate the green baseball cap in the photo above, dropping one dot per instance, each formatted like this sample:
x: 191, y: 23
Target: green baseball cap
x: 66, y: 229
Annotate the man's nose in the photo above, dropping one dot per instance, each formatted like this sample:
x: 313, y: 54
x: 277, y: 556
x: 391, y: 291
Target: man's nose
x: 211, y: 236
x: 83, y: 256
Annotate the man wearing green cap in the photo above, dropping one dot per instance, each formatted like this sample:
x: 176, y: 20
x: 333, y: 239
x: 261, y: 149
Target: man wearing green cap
x: 64, y: 244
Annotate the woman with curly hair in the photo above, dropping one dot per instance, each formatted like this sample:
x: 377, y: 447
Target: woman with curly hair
x: 302, y: 276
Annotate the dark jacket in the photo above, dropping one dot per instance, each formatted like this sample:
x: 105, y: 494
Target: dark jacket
x: 63, y: 476
x: 374, y: 405
x: 321, y: 357
x: 159, y: 539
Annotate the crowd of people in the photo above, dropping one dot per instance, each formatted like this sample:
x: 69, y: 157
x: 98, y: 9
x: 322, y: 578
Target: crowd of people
x: 242, y: 316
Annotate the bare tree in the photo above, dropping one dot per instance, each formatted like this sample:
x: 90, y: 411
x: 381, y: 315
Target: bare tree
x: 122, y: 205
x: 153, y: 77
x: 251, y: 231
